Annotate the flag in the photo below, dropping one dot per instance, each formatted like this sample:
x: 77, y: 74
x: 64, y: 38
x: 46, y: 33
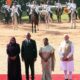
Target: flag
x: 9, y: 2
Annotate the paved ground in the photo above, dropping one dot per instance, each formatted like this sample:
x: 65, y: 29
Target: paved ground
x: 55, y: 33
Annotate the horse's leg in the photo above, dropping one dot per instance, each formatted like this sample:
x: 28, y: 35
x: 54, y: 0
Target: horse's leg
x: 35, y: 27
x: 57, y: 15
x: 47, y: 20
x: 20, y: 20
x: 6, y: 22
x: 32, y: 27
x: 16, y: 21
x: 38, y: 21
x: 20, y: 17
x: 69, y: 15
x: 74, y: 20
x: 8, y: 19
x: 39, y: 18
x: 75, y: 25
x: 60, y: 18
x: 51, y: 16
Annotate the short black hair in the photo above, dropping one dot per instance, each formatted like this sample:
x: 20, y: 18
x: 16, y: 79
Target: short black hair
x: 46, y: 38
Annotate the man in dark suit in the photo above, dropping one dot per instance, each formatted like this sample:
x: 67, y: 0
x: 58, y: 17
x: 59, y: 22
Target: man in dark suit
x: 29, y: 55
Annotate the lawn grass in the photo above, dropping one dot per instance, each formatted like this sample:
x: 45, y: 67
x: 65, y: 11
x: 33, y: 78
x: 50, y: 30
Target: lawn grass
x: 63, y: 17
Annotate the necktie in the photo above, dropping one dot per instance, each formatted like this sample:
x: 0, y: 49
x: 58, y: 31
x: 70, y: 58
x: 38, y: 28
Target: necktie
x: 28, y: 41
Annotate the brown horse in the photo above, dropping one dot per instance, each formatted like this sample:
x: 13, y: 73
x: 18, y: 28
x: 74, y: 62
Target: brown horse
x: 34, y: 20
x: 59, y: 12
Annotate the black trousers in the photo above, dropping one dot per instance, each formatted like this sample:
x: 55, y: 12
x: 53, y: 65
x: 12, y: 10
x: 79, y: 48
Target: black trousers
x: 29, y: 63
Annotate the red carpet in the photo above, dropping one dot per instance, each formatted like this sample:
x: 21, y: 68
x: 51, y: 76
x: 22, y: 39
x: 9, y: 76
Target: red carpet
x: 38, y: 77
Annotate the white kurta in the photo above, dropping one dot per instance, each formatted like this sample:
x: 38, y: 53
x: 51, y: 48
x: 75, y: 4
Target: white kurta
x: 46, y: 66
x: 66, y: 65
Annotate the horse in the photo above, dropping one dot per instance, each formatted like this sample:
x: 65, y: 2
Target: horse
x: 28, y: 9
x: 73, y: 19
x: 6, y: 14
x: 34, y: 20
x: 69, y: 11
x: 1, y: 13
x: 19, y: 16
x: 46, y: 16
x: 59, y: 12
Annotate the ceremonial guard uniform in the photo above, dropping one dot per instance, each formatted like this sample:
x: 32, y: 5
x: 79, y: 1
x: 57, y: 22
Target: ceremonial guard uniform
x: 73, y: 15
x: 69, y: 10
x: 14, y: 13
x: 19, y: 12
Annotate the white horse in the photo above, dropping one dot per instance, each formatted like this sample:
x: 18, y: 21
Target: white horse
x: 46, y: 15
x: 73, y: 19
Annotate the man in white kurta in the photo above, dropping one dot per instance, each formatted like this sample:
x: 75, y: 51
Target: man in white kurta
x: 47, y: 59
x: 66, y: 51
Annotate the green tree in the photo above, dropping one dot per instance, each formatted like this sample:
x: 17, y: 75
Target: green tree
x: 77, y: 2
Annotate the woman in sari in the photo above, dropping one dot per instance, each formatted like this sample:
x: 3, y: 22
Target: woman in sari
x: 47, y: 59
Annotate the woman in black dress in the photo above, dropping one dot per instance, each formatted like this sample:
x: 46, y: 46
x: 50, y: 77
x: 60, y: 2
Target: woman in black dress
x: 14, y: 65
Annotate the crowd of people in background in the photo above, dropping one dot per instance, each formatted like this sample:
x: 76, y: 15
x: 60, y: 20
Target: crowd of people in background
x: 47, y: 55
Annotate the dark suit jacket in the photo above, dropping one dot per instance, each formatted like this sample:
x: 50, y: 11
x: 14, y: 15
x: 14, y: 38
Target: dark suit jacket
x: 29, y: 50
